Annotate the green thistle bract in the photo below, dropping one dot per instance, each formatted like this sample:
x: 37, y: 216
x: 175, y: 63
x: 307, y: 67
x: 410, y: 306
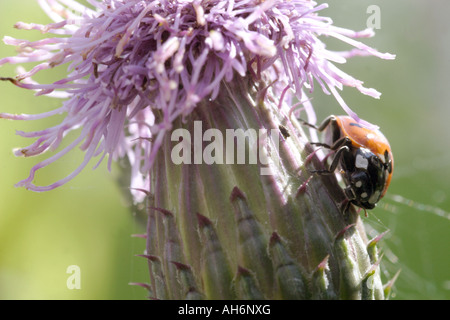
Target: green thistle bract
x: 240, y: 234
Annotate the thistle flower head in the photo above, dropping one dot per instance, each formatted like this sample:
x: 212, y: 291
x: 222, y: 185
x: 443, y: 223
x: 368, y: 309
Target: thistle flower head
x: 135, y: 66
x: 139, y: 70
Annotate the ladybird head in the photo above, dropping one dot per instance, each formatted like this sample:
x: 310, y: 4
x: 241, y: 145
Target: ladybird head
x: 367, y: 181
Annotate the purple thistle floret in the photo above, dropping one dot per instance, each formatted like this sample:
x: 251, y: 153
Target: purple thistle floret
x: 136, y: 66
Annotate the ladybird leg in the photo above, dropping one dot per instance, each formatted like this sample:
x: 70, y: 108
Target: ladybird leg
x: 322, y: 126
x: 337, y: 157
x: 349, y: 193
x: 306, y: 123
x: 334, y: 163
x: 335, y: 146
x: 342, y: 142
x: 320, y: 144
x: 346, y: 204
x: 326, y: 122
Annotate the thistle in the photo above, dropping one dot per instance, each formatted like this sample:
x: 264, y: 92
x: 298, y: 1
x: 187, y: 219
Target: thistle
x: 201, y: 98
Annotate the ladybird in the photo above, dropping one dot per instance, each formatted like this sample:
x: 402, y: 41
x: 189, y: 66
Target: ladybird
x: 364, y: 156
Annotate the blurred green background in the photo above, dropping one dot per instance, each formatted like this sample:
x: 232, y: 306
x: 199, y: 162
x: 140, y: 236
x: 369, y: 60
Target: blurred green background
x: 86, y: 222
